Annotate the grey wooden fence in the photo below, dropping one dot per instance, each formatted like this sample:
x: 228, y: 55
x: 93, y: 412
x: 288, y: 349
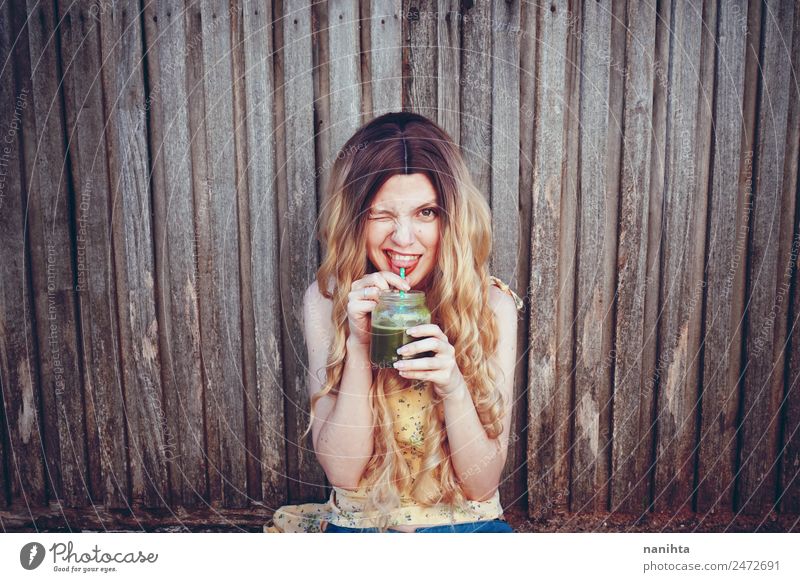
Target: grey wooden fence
x: 162, y: 165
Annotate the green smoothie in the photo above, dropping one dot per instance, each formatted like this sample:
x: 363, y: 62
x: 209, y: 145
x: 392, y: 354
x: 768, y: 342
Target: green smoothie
x: 386, y: 340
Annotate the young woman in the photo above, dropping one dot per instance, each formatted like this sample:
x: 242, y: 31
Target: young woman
x: 419, y: 447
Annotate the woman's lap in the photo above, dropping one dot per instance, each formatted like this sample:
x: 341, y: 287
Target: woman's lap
x: 489, y: 526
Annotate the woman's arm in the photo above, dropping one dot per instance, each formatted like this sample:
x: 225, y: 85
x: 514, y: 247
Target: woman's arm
x: 478, y: 460
x: 342, y: 432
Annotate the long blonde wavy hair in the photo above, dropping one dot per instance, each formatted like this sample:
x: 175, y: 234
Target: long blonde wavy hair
x: 406, y: 143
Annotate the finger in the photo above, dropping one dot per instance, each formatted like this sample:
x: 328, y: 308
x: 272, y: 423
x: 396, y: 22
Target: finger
x: 371, y: 280
x: 364, y: 293
x: 423, y: 345
x: 427, y: 330
x: 395, y: 280
x: 359, y: 307
x: 419, y: 364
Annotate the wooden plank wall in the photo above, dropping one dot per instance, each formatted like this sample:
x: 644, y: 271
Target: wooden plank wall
x: 164, y: 168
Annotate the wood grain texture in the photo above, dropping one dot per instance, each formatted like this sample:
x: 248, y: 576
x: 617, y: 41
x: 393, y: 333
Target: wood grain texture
x: 167, y: 40
x: 727, y: 242
x: 419, y: 27
x: 505, y: 191
x: 219, y: 289
x: 132, y: 235
x: 23, y: 463
x: 600, y: 142
x: 83, y: 99
x: 631, y: 428
x: 789, y: 482
x: 298, y: 255
x: 762, y: 388
x: 385, y: 56
x: 52, y: 264
x: 476, y: 94
x: 548, y: 393
x: 681, y: 283
x: 263, y: 257
x: 448, y: 67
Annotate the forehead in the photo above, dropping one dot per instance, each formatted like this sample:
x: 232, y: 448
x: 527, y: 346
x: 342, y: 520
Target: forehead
x: 405, y: 191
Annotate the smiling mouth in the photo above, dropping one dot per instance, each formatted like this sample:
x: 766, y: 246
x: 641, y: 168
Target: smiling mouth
x: 396, y: 264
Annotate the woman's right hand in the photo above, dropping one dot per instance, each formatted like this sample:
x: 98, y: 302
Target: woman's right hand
x: 363, y: 298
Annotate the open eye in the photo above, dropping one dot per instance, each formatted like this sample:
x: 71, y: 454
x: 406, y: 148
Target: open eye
x: 430, y: 209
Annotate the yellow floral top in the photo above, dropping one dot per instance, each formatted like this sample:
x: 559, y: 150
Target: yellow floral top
x: 345, y: 507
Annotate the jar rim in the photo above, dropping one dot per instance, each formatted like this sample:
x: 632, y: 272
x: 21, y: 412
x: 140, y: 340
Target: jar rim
x: 394, y: 295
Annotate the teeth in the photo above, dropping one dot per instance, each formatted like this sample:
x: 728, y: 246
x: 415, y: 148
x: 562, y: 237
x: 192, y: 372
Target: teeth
x: 403, y: 257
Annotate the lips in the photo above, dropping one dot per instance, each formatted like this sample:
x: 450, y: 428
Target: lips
x: 395, y: 265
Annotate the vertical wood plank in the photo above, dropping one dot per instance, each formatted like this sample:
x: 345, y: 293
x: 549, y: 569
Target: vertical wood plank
x: 789, y: 483
x: 505, y: 192
x: 386, y: 56
x: 52, y: 267
x: 681, y: 283
x: 344, y: 73
x: 419, y: 57
x: 220, y: 316
x: 298, y: 257
x: 264, y: 260
x: 600, y: 142
x: 631, y: 430
x: 128, y: 159
x: 448, y: 67
x: 548, y: 393
x: 767, y: 288
x: 726, y: 256
x: 19, y: 375
x: 80, y: 46
x: 476, y: 94
x: 175, y: 244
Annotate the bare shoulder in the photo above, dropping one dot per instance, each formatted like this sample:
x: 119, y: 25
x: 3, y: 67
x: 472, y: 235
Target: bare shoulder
x: 502, y: 304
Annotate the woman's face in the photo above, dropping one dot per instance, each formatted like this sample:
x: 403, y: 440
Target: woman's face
x: 404, y: 219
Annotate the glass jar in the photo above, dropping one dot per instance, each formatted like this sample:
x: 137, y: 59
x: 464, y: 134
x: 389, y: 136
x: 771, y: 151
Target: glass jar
x: 396, y: 312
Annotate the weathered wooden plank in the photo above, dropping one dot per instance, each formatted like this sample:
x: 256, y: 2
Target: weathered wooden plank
x: 219, y: 295
x: 419, y: 57
x: 23, y: 462
x: 514, y: 487
x: 476, y: 94
x: 568, y: 241
x: 681, y: 281
x: 52, y: 268
x: 548, y: 393
x: 175, y: 239
x: 263, y: 257
x: 767, y: 290
x: 385, y: 56
x: 126, y: 134
x: 298, y: 257
x: 600, y: 144
x: 448, y: 67
x: 789, y: 482
x: 83, y: 99
x: 505, y: 191
x: 631, y: 428
x: 344, y: 77
x: 727, y: 243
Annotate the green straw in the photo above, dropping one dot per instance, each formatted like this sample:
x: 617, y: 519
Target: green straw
x: 402, y: 276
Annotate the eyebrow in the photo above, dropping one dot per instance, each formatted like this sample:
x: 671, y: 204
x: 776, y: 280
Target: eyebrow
x: 424, y: 205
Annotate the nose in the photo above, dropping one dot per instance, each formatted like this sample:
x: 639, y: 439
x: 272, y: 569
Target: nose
x: 403, y: 235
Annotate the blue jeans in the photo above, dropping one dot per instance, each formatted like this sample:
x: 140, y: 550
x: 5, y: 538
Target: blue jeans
x: 490, y: 526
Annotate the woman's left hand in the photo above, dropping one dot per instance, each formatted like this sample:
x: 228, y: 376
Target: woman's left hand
x: 442, y: 369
